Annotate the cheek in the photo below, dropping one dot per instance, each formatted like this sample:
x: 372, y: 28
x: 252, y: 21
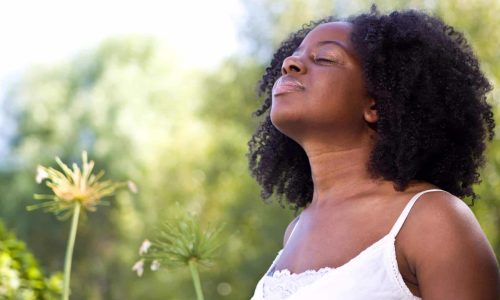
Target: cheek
x: 342, y: 96
x: 342, y: 85
x: 336, y: 92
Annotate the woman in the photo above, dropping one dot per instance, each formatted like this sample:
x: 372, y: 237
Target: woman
x: 375, y: 126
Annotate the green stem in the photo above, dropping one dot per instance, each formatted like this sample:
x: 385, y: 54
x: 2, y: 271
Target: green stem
x: 69, y: 251
x: 196, y: 279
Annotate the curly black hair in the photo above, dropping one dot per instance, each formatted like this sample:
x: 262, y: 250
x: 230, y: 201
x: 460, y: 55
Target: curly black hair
x: 430, y: 96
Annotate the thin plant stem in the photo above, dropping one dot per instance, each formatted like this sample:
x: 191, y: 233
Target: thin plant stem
x: 69, y: 250
x: 196, y: 279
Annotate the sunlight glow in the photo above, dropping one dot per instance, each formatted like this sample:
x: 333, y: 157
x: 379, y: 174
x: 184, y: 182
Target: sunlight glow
x: 31, y: 31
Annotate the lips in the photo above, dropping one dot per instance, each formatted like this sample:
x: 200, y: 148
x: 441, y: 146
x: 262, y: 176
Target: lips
x: 287, y: 84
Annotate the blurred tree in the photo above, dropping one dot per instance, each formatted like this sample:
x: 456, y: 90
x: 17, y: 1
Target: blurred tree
x: 128, y: 105
x: 463, y: 15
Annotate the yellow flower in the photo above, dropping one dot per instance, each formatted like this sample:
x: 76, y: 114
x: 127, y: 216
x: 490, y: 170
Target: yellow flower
x: 74, y: 186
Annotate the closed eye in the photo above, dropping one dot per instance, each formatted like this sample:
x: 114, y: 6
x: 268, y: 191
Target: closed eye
x: 326, y: 60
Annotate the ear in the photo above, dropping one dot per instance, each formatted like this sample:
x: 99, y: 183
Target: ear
x: 370, y: 113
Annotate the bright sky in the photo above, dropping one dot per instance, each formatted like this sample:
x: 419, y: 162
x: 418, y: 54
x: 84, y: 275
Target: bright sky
x: 48, y: 31
x: 34, y: 31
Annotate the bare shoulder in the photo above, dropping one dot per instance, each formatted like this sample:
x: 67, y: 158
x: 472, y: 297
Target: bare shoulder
x: 448, y: 251
x: 442, y: 209
x: 289, y: 230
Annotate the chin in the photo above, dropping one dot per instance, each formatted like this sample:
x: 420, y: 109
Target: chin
x: 287, y: 123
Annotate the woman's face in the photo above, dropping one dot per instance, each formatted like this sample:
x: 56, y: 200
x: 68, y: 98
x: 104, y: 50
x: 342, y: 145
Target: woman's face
x: 321, y: 90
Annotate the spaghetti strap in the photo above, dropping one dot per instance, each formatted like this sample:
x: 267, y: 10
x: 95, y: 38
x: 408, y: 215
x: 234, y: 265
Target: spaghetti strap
x: 404, y: 214
x: 294, y: 226
x: 270, y: 271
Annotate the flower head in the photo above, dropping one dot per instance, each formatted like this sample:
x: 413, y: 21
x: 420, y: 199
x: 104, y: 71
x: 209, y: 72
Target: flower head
x: 73, y: 186
x: 139, y: 267
x: 155, y: 265
x: 144, y: 247
x: 183, y: 241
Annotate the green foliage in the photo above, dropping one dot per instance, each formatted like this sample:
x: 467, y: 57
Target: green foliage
x: 20, y: 274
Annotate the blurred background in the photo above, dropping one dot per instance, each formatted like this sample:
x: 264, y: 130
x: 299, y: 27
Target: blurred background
x: 161, y: 92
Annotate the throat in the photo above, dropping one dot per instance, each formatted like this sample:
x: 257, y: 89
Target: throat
x: 341, y: 175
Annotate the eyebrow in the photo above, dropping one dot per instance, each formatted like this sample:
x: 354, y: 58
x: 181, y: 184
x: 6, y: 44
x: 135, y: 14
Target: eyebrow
x: 329, y: 42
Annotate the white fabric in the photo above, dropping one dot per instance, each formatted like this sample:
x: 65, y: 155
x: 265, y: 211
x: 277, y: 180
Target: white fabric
x: 372, y: 274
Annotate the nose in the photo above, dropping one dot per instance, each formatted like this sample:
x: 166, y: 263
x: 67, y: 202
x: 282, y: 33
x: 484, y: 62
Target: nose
x: 292, y: 64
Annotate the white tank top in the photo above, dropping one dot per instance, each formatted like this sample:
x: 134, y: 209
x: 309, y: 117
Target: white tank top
x: 373, y: 274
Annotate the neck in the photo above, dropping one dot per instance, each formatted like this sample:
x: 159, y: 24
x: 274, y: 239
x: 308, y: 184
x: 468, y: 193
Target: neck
x: 339, y: 174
